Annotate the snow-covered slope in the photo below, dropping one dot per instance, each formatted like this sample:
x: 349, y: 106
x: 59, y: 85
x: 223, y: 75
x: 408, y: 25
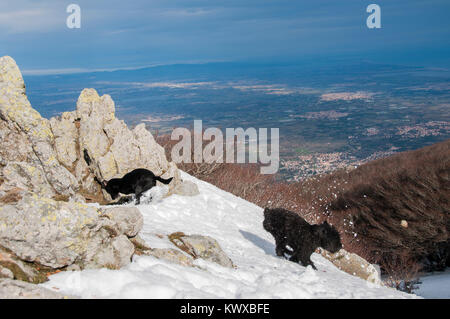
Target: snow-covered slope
x: 237, y: 225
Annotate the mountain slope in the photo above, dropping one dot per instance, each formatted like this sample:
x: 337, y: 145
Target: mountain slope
x: 237, y: 225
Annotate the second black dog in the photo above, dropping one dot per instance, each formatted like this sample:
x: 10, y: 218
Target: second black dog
x: 289, y: 229
x: 135, y: 182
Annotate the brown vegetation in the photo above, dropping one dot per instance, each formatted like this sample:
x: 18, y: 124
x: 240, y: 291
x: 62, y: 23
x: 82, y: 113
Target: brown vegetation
x: 392, y: 211
x: 12, y: 196
x: 402, y: 272
x: 381, y: 195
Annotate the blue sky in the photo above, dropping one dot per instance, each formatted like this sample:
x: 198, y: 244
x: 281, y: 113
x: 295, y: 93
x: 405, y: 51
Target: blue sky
x: 127, y: 34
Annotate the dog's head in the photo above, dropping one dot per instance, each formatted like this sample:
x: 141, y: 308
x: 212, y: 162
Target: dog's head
x: 267, y: 223
x: 112, y: 187
x: 329, y: 237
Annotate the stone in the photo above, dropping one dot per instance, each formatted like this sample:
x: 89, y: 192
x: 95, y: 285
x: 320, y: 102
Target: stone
x: 129, y: 220
x: 57, y: 234
x: 32, y: 130
x: 14, y: 268
x: 27, y: 176
x: 6, y: 273
x: 66, y: 136
x: 16, y: 289
x: 20, y: 167
x: 199, y: 246
x: 113, y: 256
x: 115, y: 151
x: 186, y: 188
x: 354, y: 265
x: 139, y: 243
x: 50, y: 157
x: 171, y: 255
x: 168, y: 254
x: 15, y: 144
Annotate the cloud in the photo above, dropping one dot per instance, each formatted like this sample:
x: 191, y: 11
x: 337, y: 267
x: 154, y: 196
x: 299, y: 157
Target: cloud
x: 196, y: 12
x: 25, y: 16
x: 139, y: 32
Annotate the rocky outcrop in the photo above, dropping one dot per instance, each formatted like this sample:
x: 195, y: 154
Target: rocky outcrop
x: 171, y: 255
x: 353, y: 265
x: 63, y: 156
x: 199, y: 246
x: 188, y: 248
x: 115, y: 150
x: 13, y: 268
x: 27, y: 154
x: 49, y: 168
x: 128, y: 220
x: 186, y: 188
x: 16, y: 289
x: 59, y: 234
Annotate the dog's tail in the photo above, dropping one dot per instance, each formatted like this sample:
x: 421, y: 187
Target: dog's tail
x: 164, y: 181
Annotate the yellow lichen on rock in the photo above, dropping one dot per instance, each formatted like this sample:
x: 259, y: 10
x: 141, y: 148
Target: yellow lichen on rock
x: 16, y: 109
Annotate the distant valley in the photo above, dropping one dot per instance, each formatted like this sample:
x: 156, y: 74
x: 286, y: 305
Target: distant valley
x: 331, y: 115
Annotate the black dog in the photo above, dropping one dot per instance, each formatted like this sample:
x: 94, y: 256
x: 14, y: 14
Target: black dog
x: 288, y: 228
x: 135, y: 182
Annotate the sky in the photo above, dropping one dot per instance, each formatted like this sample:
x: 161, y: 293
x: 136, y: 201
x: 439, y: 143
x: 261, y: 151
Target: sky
x: 130, y: 34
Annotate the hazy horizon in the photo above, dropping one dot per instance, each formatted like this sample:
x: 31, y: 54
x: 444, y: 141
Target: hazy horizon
x: 118, y: 35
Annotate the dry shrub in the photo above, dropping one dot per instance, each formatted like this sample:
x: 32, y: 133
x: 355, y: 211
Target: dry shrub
x: 199, y: 170
x: 396, y: 206
x: 243, y: 180
x: 402, y: 273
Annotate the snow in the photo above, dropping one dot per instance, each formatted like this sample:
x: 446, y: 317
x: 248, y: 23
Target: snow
x: 237, y: 225
x: 436, y: 285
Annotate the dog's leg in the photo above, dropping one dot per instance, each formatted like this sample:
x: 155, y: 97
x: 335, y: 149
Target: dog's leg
x: 305, y: 259
x: 138, y: 192
x: 280, y: 246
x: 309, y: 262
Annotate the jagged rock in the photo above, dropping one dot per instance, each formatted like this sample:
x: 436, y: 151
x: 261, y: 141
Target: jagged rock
x: 14, y: 268
x: 20, y: 167
x: 113, y: 256
x: 139, y: 243
x: 115, y: 150
x: 15, y: 144
x: 50, y: 157
x: 66, y: 136
x: 186, y: 188
x: 32, y: 132
x: 27, y: 176
x: 199, y: 246
x: 171, y: 255
x: 353, y: 265
x: 58, y: 234
x: 16, y: 289
x: 129, y: 220
x: 6, y: 273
